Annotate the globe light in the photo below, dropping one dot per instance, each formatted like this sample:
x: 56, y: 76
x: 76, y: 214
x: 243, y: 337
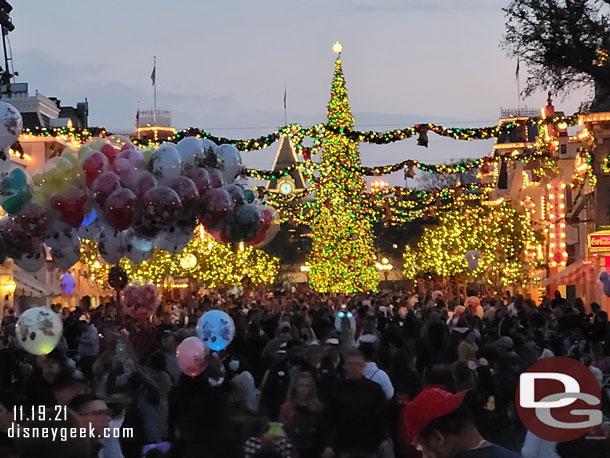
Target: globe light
x: 188, y: 261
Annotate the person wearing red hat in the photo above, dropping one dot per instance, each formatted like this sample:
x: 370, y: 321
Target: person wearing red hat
x: 441, y: 425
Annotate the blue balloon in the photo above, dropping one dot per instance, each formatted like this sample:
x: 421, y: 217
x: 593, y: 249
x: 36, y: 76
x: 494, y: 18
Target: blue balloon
x: 67, y: 283
x: 605, y: 279
x: 89, y: 218
x: 216, y: 329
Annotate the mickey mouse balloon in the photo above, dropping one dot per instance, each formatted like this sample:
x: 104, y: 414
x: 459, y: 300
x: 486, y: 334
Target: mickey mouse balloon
x: 38, y: 330
x: 216, y: 329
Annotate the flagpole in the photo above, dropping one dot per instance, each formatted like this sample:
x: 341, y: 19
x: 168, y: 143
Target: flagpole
x: 155, y: 89
x: 518, y: 86
x: 285, y: 112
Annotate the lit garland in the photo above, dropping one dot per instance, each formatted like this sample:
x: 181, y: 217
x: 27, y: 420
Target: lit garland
x: 217, y: 265
x: 309, y: 167
x: 297, y: 133
x: 580, y: 178
x: 342, y: 259
x: 500, y: 233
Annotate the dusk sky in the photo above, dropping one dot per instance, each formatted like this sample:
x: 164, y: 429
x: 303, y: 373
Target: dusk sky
x: 222, y: 66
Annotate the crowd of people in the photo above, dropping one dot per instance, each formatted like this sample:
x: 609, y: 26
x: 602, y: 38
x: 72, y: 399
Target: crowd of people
x: 307, y: 375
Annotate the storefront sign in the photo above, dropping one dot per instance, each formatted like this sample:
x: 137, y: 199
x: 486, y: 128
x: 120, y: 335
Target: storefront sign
x: 599, y: 241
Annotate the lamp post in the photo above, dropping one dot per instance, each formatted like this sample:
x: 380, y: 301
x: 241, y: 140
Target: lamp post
x: 7, y: 288
x: 385, y: 267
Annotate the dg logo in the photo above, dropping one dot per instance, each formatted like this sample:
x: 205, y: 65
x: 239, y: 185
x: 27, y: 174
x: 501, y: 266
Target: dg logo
x: 559, y: 399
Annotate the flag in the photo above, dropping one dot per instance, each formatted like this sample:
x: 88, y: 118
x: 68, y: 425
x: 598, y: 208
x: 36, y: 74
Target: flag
x: 138, y: 119
x: 153, y: 76
x: 284, y: 97
x: 517, y: 71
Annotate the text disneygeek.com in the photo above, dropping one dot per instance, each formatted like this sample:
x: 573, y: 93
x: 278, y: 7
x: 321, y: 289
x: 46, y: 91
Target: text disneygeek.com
x: 63, y: 434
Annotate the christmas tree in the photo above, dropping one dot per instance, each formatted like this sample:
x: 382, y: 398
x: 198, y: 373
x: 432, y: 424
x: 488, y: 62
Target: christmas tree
x: 342, y: 258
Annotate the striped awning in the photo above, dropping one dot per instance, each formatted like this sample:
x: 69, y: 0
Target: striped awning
x: 29, y: 286
x: 577, y: 273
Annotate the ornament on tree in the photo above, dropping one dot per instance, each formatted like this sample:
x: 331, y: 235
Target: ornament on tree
x: 410, y: 170
x: 485, y: 167
x: 422, y: 140
x: 306, y: 153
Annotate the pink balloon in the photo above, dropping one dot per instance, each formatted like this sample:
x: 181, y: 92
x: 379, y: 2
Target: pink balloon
x: 186, y: 189
x: 142, y: 182
x: 110, y: 152
x: 141, y: 301
x: 135, y: 158
x: 104, y: 185
x: 191, y: 355
x: 161, y: 205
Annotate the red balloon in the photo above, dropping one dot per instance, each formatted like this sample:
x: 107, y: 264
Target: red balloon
x: 262, y: 233
x: 144, y: 182
x: 186, y: 189
x: 72, y: 208
x: 162, y: 205
x: 94, y: 166
x: 110, y: 152
x: 217, y: 203
x: 200, y: 177
x: 120, y: 208
x: 104, y: 185
x: 216, y: 180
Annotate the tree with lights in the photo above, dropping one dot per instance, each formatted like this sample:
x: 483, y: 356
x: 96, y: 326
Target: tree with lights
x: 342, y: 258
x: 206, y: 261
x: 505, y: 238
x: 564, y: 43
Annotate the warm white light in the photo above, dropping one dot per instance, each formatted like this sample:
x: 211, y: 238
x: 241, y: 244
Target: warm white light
x: 337, y: 48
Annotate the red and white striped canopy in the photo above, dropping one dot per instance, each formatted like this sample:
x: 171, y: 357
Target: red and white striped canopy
x: 575, y: 274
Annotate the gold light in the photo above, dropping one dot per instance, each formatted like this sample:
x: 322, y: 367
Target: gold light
x: 337, y: 48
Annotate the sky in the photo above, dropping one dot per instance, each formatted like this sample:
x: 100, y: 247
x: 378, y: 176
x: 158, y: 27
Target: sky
x: 223, y: 66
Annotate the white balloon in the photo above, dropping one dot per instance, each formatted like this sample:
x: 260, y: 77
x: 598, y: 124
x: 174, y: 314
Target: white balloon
x: 208, y: 145
x: 11, y: 125
x: 191, y: 151
x: 67, y: 256
x: 173, y: 239
x: 166, y: 162
x: 90, y: 232
x: 229, y: 162
x: 112, y: 244
x: 138, y: 249
x: 38, y: 330
x: 62, y: 235
x: 32, y: 262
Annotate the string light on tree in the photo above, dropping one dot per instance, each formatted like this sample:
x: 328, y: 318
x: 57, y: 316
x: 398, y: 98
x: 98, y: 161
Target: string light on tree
x: 342, y: 259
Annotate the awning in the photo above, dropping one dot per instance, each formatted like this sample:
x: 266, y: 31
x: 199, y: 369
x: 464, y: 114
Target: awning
x: 575, y: 274
x: 29, y: 286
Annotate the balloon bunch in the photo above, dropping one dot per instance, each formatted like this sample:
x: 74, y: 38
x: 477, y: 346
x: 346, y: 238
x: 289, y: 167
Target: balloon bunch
x: 215, y: 331
x: 141, y: 301
x: 129, y: 201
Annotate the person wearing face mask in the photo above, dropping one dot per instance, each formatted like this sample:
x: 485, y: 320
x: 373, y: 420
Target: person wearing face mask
x: 441, y: 425
x: 243, y: 379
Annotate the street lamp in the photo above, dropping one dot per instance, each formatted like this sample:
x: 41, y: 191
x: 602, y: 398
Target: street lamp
x: 385, y: 267
x: 378, y: 186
